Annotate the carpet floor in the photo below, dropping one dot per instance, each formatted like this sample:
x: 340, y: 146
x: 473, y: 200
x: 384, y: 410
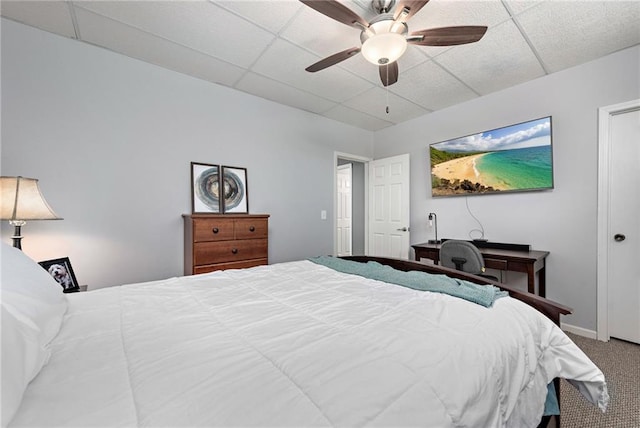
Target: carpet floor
x: 620, y: 363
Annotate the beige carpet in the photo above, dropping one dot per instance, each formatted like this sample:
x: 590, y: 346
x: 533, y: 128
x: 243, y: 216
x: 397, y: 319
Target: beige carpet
x: 620, y: 363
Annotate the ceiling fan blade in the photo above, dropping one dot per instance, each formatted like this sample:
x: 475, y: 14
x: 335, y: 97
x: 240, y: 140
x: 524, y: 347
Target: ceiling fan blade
x: 337, y: 11
x: 389, y: 73
x: 447, y: 36
x: 332, y: 60
x: 413, y: 5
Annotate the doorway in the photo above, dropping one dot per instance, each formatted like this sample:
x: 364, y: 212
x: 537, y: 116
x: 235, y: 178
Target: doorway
x: 358, y: 232
x: 618, y: 283
x: 344, y: 202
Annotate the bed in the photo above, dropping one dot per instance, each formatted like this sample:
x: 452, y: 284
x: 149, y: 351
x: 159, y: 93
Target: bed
x: 297, y: 344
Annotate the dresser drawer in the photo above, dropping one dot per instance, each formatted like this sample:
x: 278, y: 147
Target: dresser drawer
x: 213, y: 229
x: 251, y: 228
x: 229, y: 265
x: 206, y: 253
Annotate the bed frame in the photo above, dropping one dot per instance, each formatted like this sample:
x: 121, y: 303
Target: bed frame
x: 550, y: 309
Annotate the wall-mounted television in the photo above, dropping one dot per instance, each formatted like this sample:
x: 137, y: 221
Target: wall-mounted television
x: 515, y: 158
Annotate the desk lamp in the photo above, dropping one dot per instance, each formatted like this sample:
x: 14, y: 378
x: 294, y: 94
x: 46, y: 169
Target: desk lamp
x: 433, y: 221
x: 21, y: 200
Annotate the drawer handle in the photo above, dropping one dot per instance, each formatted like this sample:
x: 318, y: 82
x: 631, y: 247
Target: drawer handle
x: 215, y: 230
x: 234, y: 251
x: 252, y: 229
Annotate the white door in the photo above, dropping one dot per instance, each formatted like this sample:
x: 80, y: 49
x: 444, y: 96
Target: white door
x: 624, y: 226
x: 343, y: 210
x: 389, y: 207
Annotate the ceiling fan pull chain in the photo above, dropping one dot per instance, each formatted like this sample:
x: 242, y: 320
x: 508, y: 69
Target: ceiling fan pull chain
x: 387, y: 109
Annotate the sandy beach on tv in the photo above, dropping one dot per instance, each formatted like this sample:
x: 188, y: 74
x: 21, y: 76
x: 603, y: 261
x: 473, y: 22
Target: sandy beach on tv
x: 462, y: 169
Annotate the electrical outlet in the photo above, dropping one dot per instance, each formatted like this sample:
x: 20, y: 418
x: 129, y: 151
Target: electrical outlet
x: 323, y: 215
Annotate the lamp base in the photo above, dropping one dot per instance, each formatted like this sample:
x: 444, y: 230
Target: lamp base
x: 434, y: 241
x: 17, y: 237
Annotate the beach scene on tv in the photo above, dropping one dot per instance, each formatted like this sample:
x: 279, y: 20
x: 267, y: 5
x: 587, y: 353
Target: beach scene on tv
x: 510, y: 159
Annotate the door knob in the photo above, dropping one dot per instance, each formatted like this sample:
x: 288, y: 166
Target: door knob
x: 619, y: 237
x: 404, y: 229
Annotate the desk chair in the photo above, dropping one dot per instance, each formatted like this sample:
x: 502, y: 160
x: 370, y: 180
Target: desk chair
x: 464, y: 256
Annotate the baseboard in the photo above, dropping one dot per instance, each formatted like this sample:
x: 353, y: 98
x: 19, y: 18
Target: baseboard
x: 590, y: 334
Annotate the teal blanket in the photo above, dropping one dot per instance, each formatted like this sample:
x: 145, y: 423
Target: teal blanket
x: 483, y: 295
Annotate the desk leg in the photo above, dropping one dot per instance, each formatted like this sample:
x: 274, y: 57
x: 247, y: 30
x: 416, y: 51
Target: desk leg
x: 531, y: 279
x: 542, y: 283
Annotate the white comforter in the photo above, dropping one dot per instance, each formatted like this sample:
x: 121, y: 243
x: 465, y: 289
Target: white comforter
x: 298, y: 344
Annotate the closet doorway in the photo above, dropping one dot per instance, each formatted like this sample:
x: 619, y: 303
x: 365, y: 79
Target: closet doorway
x: 619, y: 222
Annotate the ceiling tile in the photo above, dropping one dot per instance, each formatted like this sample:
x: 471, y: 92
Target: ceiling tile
x: 201, y: 25
x: 286, y: 63
x: 129, y: 41
x: 589, y: 30
x: 271, y: 15
x: 46, y: 15
x: 356, y: 118
x: 519, y: 6
x: 375, y: 101
x: 284, y: 94
x: 320, y: 34
x: 431, y: 87
x: 493, y: 64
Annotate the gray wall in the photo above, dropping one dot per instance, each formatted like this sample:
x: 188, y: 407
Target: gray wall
x: 111, y: 138
x: 562, y: 221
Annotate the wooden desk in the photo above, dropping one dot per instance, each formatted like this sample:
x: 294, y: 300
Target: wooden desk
x: 529, y: 262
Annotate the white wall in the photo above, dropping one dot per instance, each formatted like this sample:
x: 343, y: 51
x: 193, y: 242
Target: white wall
x: 562, y: 221
x: 111, y: 139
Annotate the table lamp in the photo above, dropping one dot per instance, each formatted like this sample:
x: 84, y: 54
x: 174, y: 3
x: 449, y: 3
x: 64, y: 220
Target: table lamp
x: 21, y: 200
x: 433, y: 221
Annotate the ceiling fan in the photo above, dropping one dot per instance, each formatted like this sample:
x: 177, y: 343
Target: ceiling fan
x: 385, y: 38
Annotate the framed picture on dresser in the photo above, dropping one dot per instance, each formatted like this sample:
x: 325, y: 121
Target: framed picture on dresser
x: 205, y: 188
x: 235, y: 190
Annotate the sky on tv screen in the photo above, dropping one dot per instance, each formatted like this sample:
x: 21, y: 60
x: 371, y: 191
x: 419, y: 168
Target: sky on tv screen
x: 528, y: 134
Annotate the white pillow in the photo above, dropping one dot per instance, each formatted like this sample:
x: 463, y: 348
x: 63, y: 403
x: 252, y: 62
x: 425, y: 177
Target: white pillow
x: 31, y: 293
x: 22, y: 358
x: 32, y: 308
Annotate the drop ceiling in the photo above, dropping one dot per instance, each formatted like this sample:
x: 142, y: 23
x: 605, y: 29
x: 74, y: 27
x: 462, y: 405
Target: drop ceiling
x: 262, y: 47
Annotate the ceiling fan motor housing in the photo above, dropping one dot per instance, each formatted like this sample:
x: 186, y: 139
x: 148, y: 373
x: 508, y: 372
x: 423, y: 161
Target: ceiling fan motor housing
x: 382, y: 6
x: 385, y: 40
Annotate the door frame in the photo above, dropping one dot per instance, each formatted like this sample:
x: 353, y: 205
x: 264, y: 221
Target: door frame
x: 603, y: 241
x: 365, y: 161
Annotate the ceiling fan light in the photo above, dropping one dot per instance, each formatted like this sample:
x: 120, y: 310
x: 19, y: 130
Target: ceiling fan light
x: 384, y: 48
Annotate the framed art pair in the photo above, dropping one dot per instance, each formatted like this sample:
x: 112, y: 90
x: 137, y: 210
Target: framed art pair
x: 218, y: 189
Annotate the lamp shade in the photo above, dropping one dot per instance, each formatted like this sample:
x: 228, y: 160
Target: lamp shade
x: 21, y: 199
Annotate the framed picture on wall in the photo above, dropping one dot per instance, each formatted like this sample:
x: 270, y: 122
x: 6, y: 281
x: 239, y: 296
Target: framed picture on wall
x: 205, y: 188
x: 235, y: 190
x: 62, y: 272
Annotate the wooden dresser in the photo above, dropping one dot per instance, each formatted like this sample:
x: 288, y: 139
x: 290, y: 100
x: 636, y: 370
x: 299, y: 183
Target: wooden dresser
x: 224, y: 241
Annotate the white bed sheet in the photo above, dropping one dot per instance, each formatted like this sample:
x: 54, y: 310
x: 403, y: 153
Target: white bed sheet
x: 298, y: 344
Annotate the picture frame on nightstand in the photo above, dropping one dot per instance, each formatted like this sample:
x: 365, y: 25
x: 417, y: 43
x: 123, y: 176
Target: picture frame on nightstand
x: 61, y: 270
